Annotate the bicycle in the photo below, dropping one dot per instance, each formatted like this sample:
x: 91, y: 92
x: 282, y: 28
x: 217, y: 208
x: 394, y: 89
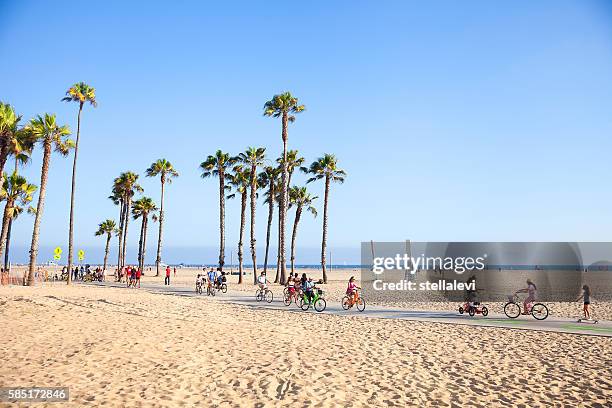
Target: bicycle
x: 512, y: 309
x: 210, y: 290
x: 264, y: 294
x: 221, y: 287
x: 317, y: 301
x: 289, y: 297
x: 348, y: 302
x: 198, y: 288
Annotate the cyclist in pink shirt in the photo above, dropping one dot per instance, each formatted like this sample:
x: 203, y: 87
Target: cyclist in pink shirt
x: 351, y: 290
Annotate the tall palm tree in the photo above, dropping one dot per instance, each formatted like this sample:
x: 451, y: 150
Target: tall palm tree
x: 17, y: 211
x: 283, y: 106
x: 240, y: 179
x: 325, y: 168
x: 294, y: 161
x: 108, y: 228
x: 9, y: 129
x: 15, y: 190
x: 164, y: 169
x: 142, y: 208
x: 46, y: 131
x: 124, y: 188
x: 80, y: 93
x: 217, y: 165
x: 269, y: 177
x: 301, y: 199
x: 254, y: 158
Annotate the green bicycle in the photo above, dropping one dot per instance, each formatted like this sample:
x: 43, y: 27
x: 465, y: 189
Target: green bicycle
x: 317, y: 301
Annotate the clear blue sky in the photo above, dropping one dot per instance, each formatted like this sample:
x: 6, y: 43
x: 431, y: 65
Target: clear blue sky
x: 454, y: 120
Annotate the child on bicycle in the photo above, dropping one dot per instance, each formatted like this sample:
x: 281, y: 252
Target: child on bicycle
x: 308, y: 289
x: 351, y: 290
x: 198, y: 280
x: 586, y: 296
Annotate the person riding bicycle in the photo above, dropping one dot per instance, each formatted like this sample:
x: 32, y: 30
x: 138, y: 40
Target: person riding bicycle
x: 351, y: 290
x: 262, y: 281
x: 308, y: 289
x: 531, y: 291
x: 220, y: 278
x: 212, y: 277
x: 199, y: 279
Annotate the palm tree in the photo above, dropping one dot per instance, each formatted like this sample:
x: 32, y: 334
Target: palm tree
x: 283, y: 106
x: 124, y: 188
x: 299, y: 198
x: 15, y: 190
x: 293, y: 162
x: 164, y: 169
x: 46, y: 131
x: 269, y: 177
x: 108, y: 228
x: 326, y: 168
x: 142, y: 208
x: 253, y: 158
x: 9, y: 129
x: 17, y: 211
x: 217, y: 165
x: 80, y: 93
x: 240, y: 179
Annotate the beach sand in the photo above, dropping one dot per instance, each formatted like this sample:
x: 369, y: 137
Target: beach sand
x: 125, y: 347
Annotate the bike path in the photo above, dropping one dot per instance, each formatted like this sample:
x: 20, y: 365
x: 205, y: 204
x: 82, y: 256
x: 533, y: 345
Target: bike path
x: 551, y: 324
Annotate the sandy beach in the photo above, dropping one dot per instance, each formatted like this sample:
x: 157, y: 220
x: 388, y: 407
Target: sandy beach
x: 120, y: 347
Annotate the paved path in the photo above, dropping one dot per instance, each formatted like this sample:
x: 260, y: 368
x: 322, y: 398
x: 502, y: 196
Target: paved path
x: 552, y: 324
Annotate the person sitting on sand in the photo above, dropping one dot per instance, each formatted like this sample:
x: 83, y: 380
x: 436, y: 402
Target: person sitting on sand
x: 351, y: 290
x: 586, y: 296
x: 531, y: 291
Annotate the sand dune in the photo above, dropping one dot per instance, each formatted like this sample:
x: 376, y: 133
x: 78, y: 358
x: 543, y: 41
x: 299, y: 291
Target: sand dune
x: 119, y: 347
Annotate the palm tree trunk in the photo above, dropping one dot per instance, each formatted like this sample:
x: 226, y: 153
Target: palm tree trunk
x: 39, y: 210
x: 161, y: 225
x: 8, y: 245
x: 222, y: 219
x: 278, y: 254
x: 125, y: 228
x: 142, y: 227
x: 298, y: 214
x: 3, y: 156
x: 253, y: 209
x: 71, y: 226
x: 144, y: 242
x: 108, y: 239
x: 5, y: 222
x: 243, y: 202
x: 283, y: 204
x: 324, y: 240
x: 269, y: 228
x: 121, y: 219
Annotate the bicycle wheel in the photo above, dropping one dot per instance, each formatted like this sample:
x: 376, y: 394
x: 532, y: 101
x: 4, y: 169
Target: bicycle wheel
x: 512, y: 310
x: 299, y: 301
x: 539, y: 311
x: 285, y: 291
x: 346, y: 303
x: 472, y: 311
x: 320, y: 305
x: 224, y: 288
x: 287, y: 300
x: 304, y: 305
x: 361, y: 304
x: 485, y: 311
x: 213, y: 292
x: 269, y: 296
x: 258, y: 296
x: 461, y: 310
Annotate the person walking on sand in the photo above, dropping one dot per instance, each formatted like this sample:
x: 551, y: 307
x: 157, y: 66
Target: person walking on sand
x: 138, y: 275
x: 167, y: 280
x: 586, y: 296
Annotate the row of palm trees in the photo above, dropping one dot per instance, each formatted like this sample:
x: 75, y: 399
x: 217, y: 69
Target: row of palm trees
x: 19, y: 142
x: 125, y: 187
x: 241, y: 173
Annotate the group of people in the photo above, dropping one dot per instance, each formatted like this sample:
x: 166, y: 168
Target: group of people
x: 305, y: 285
x: 132, y: 276
x: 213, y: 278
